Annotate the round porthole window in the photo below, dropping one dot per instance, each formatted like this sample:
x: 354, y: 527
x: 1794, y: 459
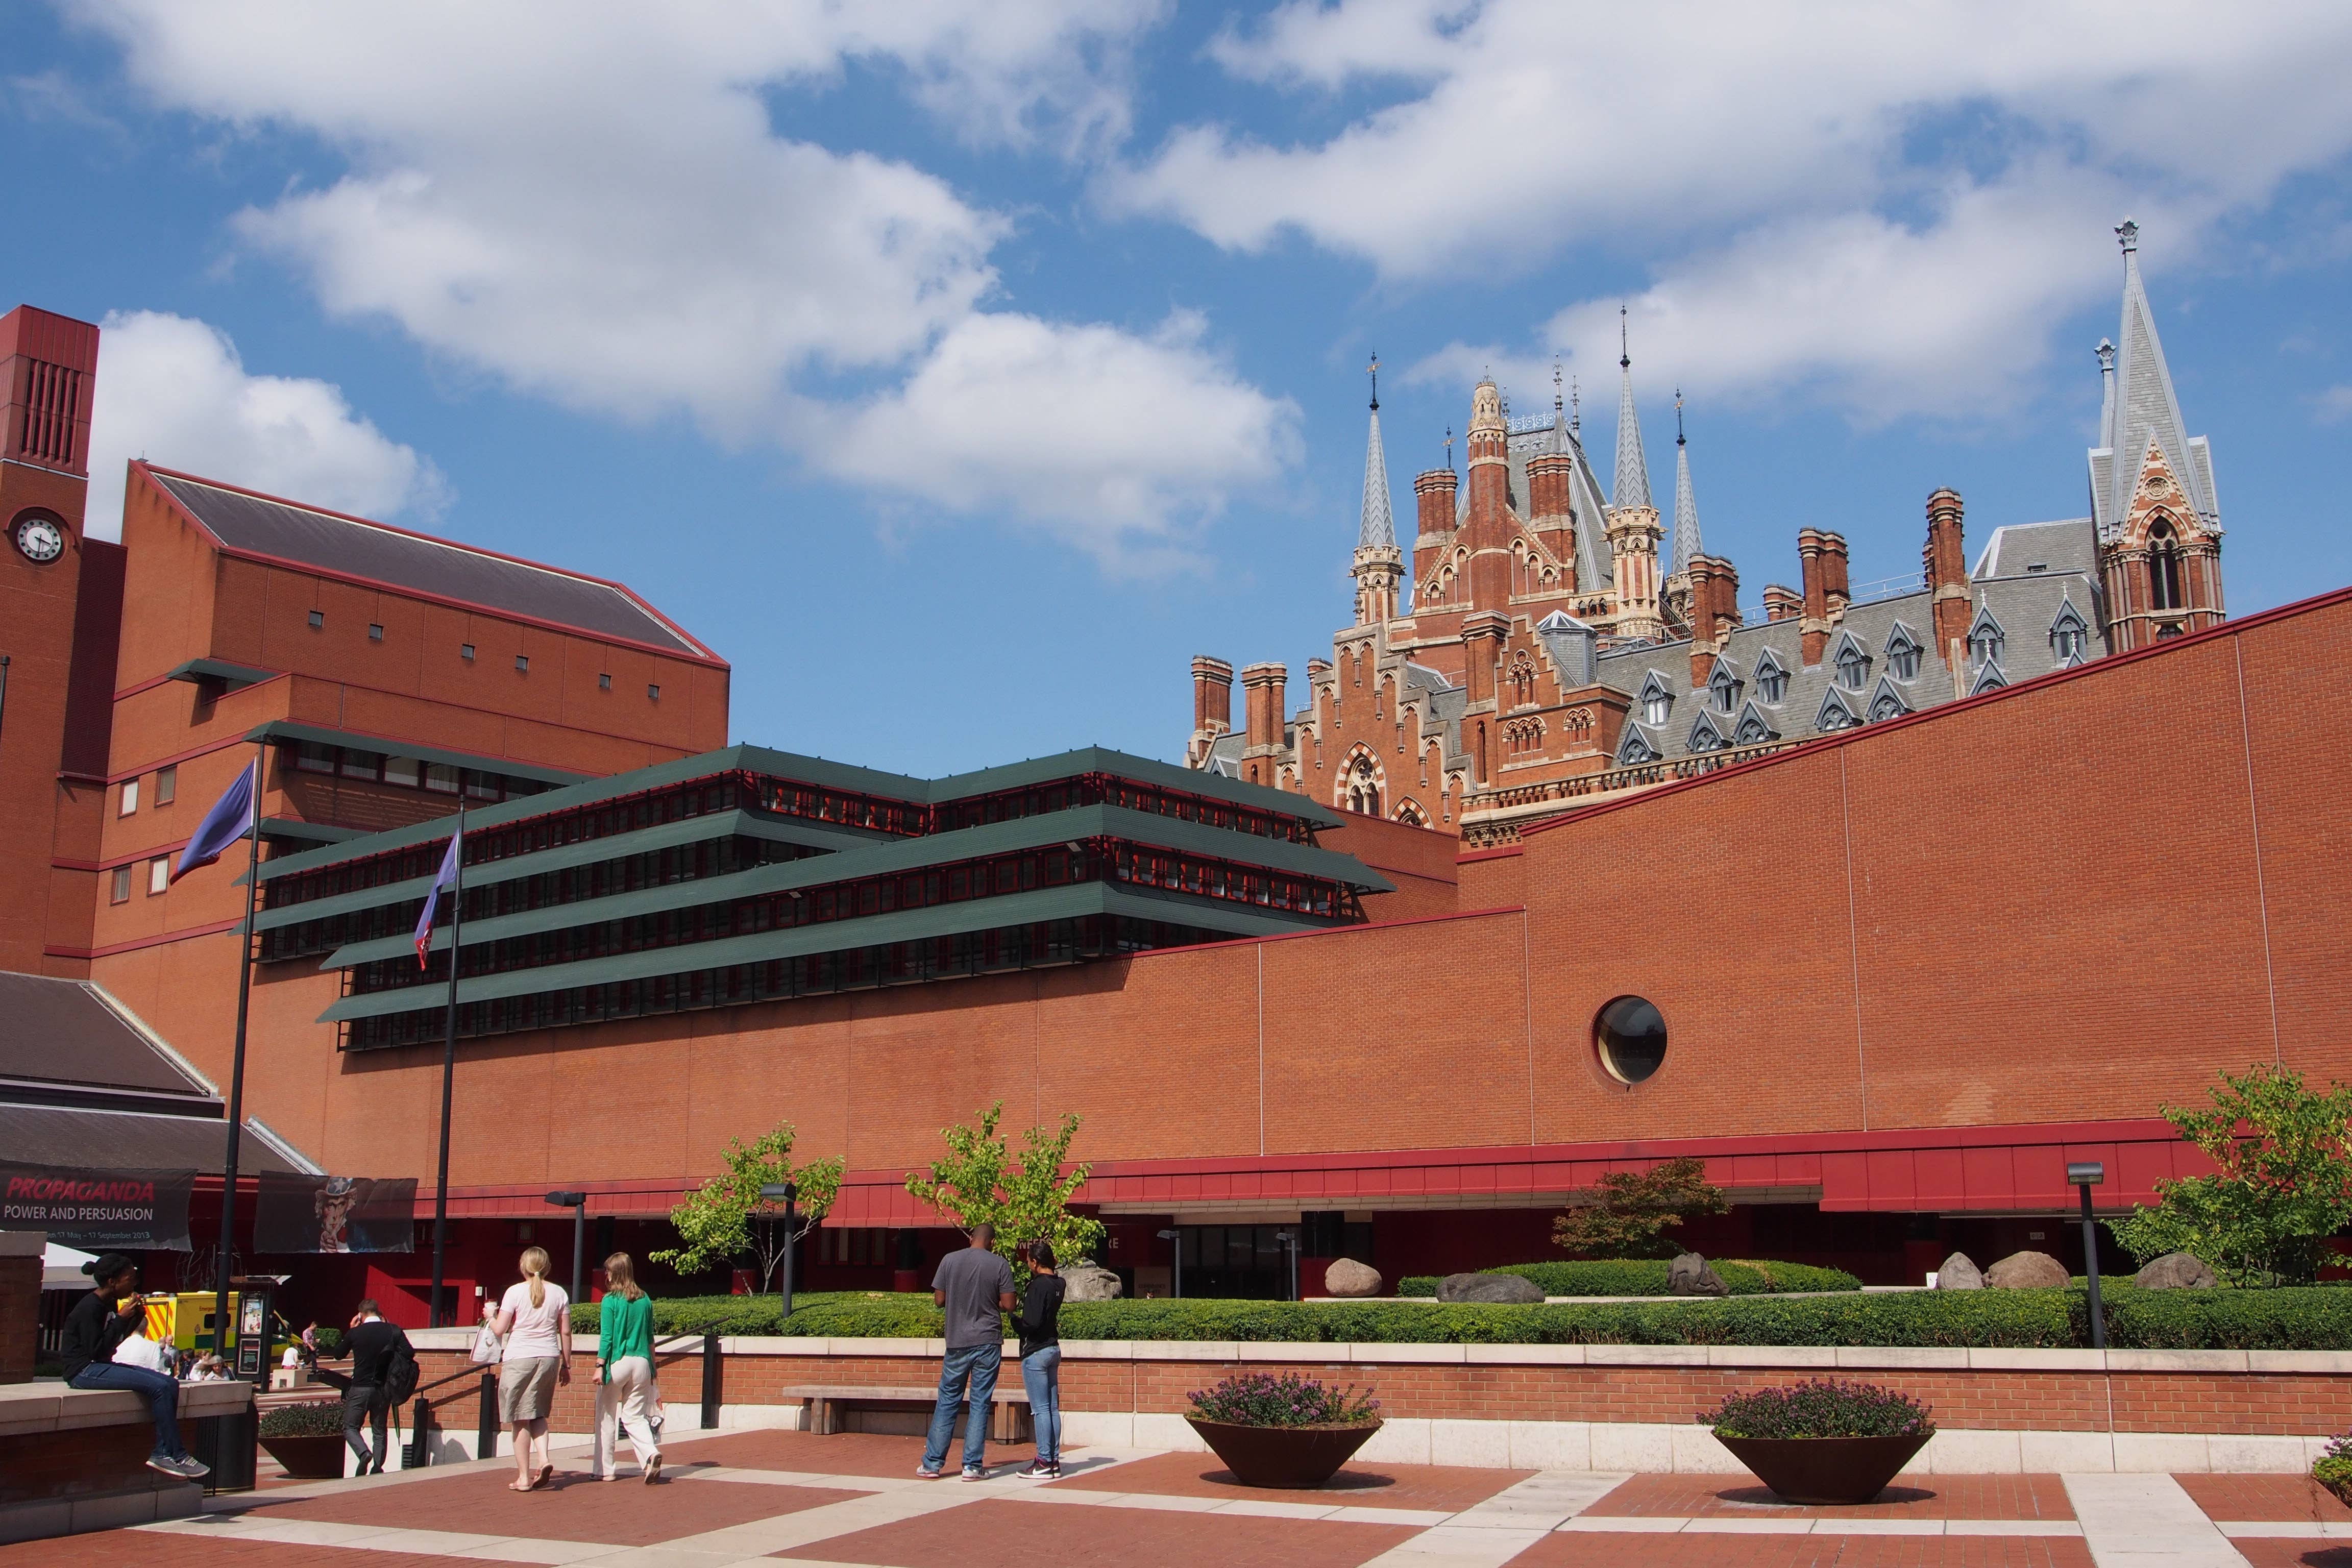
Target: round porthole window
x: 1630, y: 1035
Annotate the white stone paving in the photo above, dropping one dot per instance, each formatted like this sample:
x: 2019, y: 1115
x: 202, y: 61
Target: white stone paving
x: 2146, y: 1521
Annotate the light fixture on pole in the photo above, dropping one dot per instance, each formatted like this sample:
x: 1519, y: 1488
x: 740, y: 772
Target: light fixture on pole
x: 1290, y: 1239
x: 1176, y: 1240
x: 578, y: 1204
x: 2085, y: 1174
x: 786, y: 1193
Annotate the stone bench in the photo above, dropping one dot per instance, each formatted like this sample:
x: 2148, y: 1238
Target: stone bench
x: 74, y: 1460
x: 825, y: 1406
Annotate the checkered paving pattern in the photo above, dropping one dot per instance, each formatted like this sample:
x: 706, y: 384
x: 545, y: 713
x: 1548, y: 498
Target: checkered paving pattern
x: 764, y: 1497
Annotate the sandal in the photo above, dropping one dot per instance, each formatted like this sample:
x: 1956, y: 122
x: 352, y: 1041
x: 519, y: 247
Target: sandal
x: 653, y: 1469
x: 546, y: 1474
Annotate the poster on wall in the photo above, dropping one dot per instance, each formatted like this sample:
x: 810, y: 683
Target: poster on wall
x: 335, y: 1214
x: 98, y: 1210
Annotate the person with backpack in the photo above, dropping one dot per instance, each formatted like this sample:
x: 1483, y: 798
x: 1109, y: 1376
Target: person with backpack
x: 384, y: 1374
x: 625, y: 1358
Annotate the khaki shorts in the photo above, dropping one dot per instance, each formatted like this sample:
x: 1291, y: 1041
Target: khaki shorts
x: 525, y: 1388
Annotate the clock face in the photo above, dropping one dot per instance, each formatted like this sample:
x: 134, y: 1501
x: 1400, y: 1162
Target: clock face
x: 41, y: 540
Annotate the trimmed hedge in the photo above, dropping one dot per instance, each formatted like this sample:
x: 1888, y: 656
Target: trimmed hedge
x: 1647, y: 1276
x: 2306, y: 1318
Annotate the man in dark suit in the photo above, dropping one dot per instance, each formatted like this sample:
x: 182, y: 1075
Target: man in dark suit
x: 371, y: 1344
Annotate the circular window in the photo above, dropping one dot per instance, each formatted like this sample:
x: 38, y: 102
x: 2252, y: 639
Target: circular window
x: 1630, y: 1035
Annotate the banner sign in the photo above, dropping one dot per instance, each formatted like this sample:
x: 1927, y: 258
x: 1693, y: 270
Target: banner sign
x: 98, y: 1210
x: 335, y: 1214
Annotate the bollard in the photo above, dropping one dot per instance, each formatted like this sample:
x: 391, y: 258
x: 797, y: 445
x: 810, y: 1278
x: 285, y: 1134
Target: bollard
x: 486, y: 1422
x: 711, y: 1390
x: 420, y: 1436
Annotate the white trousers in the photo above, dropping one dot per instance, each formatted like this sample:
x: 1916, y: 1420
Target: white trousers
x: 628, y: 1400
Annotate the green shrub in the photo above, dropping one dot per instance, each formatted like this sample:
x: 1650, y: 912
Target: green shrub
x: 2307, y: 1317
x: 312, y: 1419
x: 1820, y: 1407
x: 1263, y: 1399
x: 2334, y: 1469
x: 1647, y: 1276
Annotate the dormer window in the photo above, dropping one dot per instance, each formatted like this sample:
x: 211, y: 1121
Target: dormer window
x: 1903, y: 653
x: 1853, y: 666
x: 1705, y: 736
x: 1724, y: 688
x: 1835, y: 715
x: 1657, y: 703
x: 1985, y: 639
x: 1771, y: 677
x: 2070, y: 635
x: 1887, y: 703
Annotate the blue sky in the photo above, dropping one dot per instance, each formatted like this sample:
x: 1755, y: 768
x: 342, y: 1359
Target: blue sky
x: 960, y: 371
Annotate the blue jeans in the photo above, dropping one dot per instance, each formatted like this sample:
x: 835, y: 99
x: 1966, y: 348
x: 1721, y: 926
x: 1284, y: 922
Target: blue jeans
x: 975, y: 1366
x: 161, y: 1394
x: 1041, y: 1374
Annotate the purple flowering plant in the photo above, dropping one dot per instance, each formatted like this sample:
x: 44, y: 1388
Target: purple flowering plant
x: 2334, y: 1469
x: 1820, y: 1407
x: 1263, y: 1399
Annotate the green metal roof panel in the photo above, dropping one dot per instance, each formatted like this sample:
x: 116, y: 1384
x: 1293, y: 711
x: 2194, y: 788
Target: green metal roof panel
x: 306, y: 832
x: 891, y: 859
x: 1143, y: 770
x: 235, y: 675
x: 287, y: 730
x: 834, y: 936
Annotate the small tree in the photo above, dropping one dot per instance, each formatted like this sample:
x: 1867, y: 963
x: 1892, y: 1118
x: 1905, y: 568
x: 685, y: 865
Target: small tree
x: 2282, y: 1187
x: 727, y: 1217
x: 1026, y: 1198
x: 1633, y: 1210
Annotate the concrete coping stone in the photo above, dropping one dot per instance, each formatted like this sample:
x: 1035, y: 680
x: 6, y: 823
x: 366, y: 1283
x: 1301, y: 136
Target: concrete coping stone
x: 48, y: 1406
x: 2224, y: 1362
x: 22, y: 1243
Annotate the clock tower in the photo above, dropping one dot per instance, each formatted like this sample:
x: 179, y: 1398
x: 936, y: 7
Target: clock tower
x: 61, y: 605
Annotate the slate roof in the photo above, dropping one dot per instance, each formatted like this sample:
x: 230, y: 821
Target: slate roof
x: 70, y: 1032
x: 134, y: 1141
x: 354, y: 547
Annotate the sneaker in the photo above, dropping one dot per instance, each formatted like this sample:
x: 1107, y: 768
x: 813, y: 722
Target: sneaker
x: 929, y: 1472
x: 1038, y: 1471
x: 184, y: 1467
x: 974, y: 1473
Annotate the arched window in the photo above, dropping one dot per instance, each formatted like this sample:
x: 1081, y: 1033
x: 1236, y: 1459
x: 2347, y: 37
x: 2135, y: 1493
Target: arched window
x: 1364, y: 788
x: 1853, y: 666
x: 2164, y: 567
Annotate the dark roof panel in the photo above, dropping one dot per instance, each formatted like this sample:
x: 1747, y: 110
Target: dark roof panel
x: 65, y: 1031
x: 399, y: 559
x: 132, y: 1140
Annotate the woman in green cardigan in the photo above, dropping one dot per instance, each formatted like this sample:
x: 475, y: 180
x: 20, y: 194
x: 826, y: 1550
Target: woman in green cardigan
x: 624, y: 1354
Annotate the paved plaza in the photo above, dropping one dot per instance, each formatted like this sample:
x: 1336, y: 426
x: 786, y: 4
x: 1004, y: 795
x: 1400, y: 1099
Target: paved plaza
x: 743, y: 1497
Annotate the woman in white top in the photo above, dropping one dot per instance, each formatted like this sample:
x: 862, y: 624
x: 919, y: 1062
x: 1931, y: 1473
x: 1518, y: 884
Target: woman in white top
x: 535, y: 1320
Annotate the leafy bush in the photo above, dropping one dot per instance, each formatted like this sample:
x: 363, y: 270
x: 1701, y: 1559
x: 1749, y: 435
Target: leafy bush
x: 1262, y: 1399
x: 330, y: 1341
x: 2308, y: 1318
x: 1647, y: 1276
x: 2263, y: 1217
x: 1633, y: 1210
x: 1819, y: 1407
x: 312, y: 1419
x: 2334, y: 1469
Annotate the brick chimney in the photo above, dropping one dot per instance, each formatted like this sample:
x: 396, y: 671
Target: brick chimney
x: 1262, y: 751
x: 1813, y: 630
x: 1435, y: 491
x: 1715, y: 610
x: 1550, y: 515
x: 1945, y: 561
x: 1834, y: 580
x: 1213, y: 694
x: 1780, y: 602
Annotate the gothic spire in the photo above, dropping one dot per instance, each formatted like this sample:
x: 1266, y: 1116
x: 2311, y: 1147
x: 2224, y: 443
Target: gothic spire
x: 1631, y: 487
x: 1686, y: 540
x: 2143, y: 408
x: 1377, y: 525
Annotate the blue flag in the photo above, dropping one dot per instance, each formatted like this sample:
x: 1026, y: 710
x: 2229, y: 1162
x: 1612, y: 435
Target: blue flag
x: 445, y: 878
x: 235, y: 814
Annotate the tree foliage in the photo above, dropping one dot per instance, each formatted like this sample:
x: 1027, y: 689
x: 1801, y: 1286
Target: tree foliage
x: 1633, y: 1210
x: 2281, y: 1183
x: 1026, y: 1197
x: 726, y: 1217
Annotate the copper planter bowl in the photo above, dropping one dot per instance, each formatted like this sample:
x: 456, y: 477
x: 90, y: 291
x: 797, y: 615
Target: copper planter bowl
x: 1295, y: 1458
x: 1833, y: 1471
x: 311, y: 1457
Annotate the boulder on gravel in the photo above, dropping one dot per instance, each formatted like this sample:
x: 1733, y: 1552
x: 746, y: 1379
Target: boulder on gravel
x: 1508, y: 1290
x: 1688, y: 1275
x: 1087, y: 1280
x: 1959, y: 1272
x: 2176, y: 1271
x: 1349, y: 1277
x: 2026, y: 1271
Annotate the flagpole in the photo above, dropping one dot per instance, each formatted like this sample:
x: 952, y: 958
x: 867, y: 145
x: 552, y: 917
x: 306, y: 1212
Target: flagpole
x: 448, y: 1061
x: 236, y: 1084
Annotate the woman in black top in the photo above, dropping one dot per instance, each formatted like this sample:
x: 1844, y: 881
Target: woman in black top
x: 97, y: 1323
x: 1041, y: 1358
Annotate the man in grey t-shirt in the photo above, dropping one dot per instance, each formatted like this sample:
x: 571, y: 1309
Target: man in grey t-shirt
x: 974, y: 1285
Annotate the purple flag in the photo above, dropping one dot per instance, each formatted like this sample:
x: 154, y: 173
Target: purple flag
x: 235, y: 814
x: 445, y: 878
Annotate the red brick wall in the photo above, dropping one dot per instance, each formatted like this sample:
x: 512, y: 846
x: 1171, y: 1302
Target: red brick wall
x: 20, y: 1312
x: 79, y: 1462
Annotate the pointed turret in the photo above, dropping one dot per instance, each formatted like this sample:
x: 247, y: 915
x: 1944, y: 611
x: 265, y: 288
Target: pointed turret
x: 2141, y: 409
x: 1686, y: 540
x: 1379, y: 567
x: 1631, y: 484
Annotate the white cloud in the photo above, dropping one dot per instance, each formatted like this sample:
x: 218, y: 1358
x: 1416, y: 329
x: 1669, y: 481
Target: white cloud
x: 1887, y: 183
x: 174, y: 391
x: 599, y: 210
x: 2333, y: 405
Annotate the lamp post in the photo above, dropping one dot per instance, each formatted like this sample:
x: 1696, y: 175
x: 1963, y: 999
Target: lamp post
x: 1176, y: 1240
x: 770, y: 1193
x: 578, y: 1204
x: 2087, y: 1175
x: 1290, y: 1239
